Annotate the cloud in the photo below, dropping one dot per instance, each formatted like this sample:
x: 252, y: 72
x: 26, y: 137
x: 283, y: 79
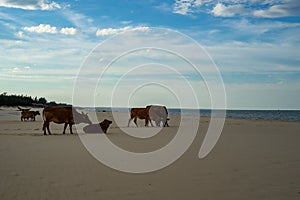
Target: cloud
x: 42, y: 28
x: 163, y: 7
x: 46, y: 28
x: 271, y: 8
x: 68, y: 31
x: 20, y: 34
x: 82, y: 22
x: 290, y: 8
x: 185, y: 7
x: 220, y: 10
x: 112, y: 31
x: 30, y: 4
x: 229, y: 8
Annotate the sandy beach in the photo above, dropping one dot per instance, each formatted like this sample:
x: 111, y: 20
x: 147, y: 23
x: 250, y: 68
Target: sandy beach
x: 253, y: 159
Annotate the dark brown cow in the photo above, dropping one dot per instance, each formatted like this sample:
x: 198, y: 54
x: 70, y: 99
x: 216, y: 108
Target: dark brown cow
x: 141, y: 113
x: 29, y: 114
x: 60, y: 115
x: 158, y: 114
x: 98, y: 128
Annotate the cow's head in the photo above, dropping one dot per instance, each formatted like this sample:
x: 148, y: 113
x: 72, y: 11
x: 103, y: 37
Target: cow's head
x: 104, y: 125
x: 84, y: 118
x: 37, y: 113
x: 81, y: 117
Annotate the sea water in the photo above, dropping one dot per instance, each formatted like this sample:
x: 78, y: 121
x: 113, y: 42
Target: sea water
x: 282, y: 115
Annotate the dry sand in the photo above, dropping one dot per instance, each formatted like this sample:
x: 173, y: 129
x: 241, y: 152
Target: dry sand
x: 253, y: 159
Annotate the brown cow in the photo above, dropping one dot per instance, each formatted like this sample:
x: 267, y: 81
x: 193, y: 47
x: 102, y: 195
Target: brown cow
x: 29, y: 114
x: 60, y: 115
x: 158, y: 114
x: 141, y: 113
x: 98, y: 128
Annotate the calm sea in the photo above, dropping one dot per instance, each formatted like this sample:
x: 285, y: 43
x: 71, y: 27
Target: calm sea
x: 283, y: 115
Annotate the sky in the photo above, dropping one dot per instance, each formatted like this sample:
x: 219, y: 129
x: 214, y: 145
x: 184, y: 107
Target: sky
x: 253, y: 44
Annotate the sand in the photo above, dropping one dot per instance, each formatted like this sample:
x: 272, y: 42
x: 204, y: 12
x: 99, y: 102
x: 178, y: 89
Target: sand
x: 253, y: 159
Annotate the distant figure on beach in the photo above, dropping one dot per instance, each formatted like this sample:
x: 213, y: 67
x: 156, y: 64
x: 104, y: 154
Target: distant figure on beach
x: 25, y: 115
x: 139, y: 113
x: 67, y: 115
x: 159, y: 114
x: 98, y: 128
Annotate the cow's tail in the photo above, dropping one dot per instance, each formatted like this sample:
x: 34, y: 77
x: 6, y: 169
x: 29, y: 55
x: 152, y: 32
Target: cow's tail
x: 43, y: 115
x: 44, y: 118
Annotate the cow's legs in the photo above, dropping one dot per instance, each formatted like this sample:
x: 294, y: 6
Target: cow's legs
x: 70, y: 125
x: 166, y: 122
x: 157, y: 123
x: 151, y: 122
x: 65, y: 126
x: 46, y: 126
x: 147, y: 122
x: 135, y: 119
x: 129, y: 121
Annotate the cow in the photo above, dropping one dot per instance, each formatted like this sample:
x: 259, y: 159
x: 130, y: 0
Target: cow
x: 98, y: 128
x: 141, y: 113
x: 29, y: 114
x: 158, y: 114
x: 67, y: 115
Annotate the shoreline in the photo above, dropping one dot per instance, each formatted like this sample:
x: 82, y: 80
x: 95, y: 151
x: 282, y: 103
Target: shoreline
x: 230, y: 113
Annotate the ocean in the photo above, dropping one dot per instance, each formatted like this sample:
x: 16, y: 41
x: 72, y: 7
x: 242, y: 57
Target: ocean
x: 282, y: 115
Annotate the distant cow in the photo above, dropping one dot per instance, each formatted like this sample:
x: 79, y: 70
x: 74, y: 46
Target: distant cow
x: 158, y: 114
x: 98, y: 128
x: 25, y: 115
x: 60, y: 115
x: 141, y: 113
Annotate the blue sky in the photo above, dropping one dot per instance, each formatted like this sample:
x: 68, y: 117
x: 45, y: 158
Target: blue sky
x: 255, y: 45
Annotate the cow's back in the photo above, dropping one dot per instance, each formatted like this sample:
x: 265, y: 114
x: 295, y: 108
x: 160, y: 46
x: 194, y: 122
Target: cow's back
x: 141, y: 113
x: 27, y: 114
x: 58, y: 114
x: 158, y: 110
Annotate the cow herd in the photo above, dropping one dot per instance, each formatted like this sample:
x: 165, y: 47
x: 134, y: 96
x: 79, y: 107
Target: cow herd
x: 69, y: 116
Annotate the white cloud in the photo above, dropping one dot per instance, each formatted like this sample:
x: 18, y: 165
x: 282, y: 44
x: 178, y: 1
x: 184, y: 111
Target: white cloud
x: 82, y: 22
x: 229, y: 8
x: 68, y: 31
x: 112, y: 31
x: 42, y: 28
x: 20, y: 34
x: 46, y: 28
x: 184, y: 7
x: 126, y: 22
x: 30, y: 4
x: 290, y: 8
x: 220, y: 10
